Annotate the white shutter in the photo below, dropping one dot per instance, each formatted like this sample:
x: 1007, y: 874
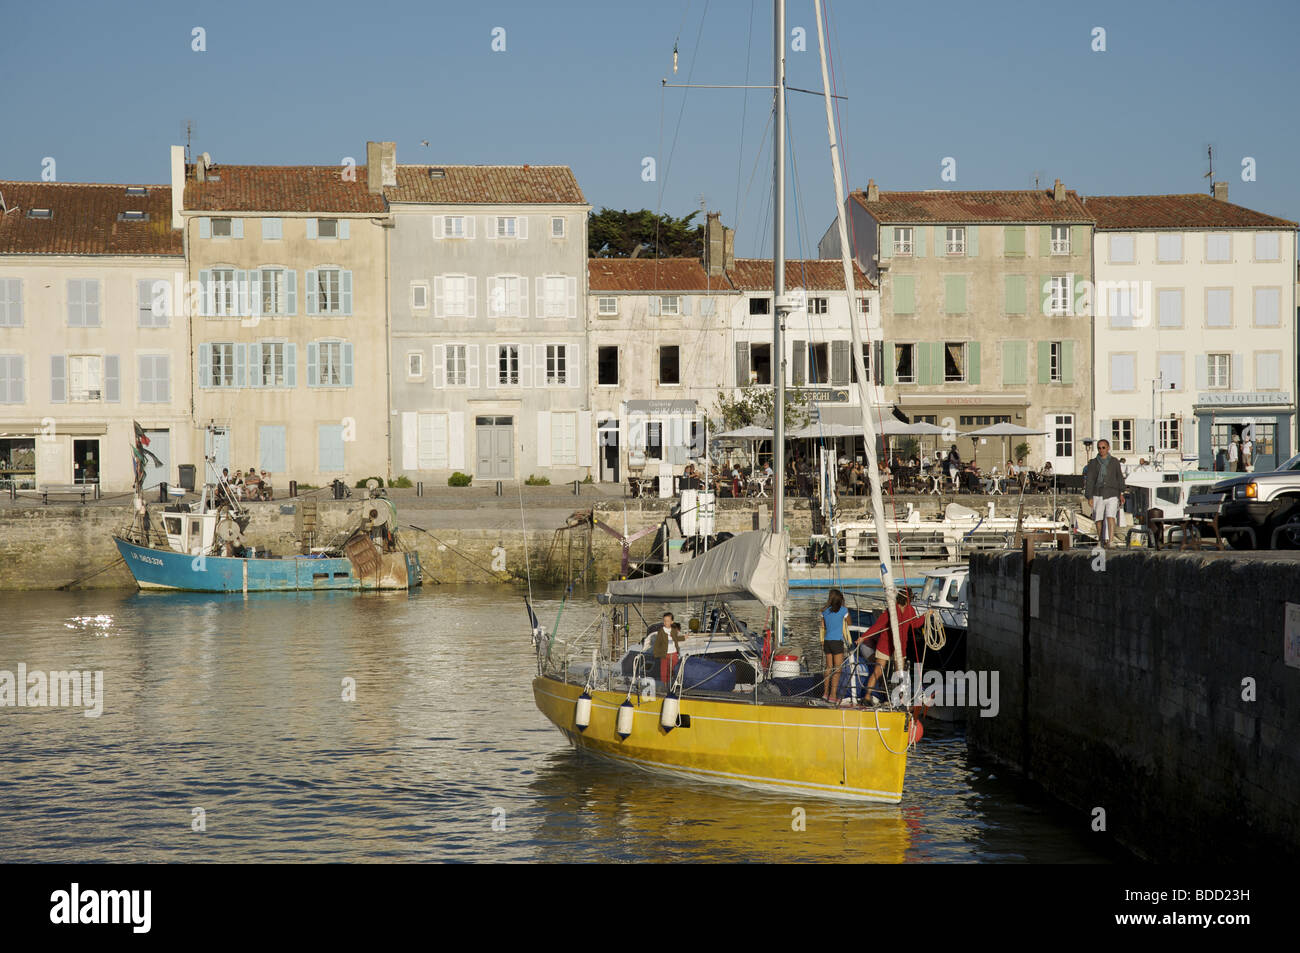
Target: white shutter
x: 437, y: 226
x: 571, y: 353
x: 439, y: 303
x: 526, y: 368
x: 543, y: 438
x: 1202, y: 372
x: 572, y: 284
x: 540, y: 284
x: 521, y: 226
x: 471, y: 290
x: 456, y: 439
x: 344, y: 232
x: 427, y: 436
x: 496, y: 295
x: 540, y: 361
x: 410, y: 440
x: 438, y: 373
x: 1238, y: 370
x: 493, y: 369
x: 523, y: 297
x: 469, y: 225
x: 471, y: 365
x: 584, y: 438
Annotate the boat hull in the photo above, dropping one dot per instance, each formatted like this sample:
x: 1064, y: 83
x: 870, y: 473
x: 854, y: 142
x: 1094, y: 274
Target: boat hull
x: 855, y: 754
x: 167, y: 569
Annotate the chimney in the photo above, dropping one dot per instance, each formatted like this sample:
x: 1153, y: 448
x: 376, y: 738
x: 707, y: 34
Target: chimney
x: 713, y: 253
x: 729, y: 249
x: 1220, y: 191
x: 178, y: 185
x: 873, y: 193
x: 1058, y: 191
x: 381, y: 165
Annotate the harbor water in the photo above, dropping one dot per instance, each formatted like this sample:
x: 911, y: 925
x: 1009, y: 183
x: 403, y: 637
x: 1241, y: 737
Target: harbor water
x: 230, y: 731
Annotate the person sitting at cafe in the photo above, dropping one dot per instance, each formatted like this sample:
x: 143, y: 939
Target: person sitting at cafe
x: 855, y: 479
x: 266, y: 485
x: 252, y: 484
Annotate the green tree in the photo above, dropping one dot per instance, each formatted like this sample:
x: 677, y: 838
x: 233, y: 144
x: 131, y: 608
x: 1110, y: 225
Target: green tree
x: 756, y: 405
x: 642, y: 234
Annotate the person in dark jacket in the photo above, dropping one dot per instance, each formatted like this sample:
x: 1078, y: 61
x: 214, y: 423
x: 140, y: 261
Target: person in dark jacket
x: 1104, y: 486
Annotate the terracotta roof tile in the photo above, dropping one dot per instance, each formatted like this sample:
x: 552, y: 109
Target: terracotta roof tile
x: 1176, y: 211
x: 487, y: 185
x: 755, y: 274
x: 942, y: 206
x: 85, y: 220
x: 282, y: 188
x: 653, y: 274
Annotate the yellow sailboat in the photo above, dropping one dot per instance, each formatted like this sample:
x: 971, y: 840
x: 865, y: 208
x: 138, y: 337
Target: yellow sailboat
x: 727, y: 714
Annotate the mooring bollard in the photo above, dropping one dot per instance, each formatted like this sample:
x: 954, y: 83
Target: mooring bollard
x: 499, y: 493
x: 162, y: 492
x: 293, y: 489
x: 419, y: 488
x: 577, y: 485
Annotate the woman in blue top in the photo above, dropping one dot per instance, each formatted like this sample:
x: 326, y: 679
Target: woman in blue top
x: 835, y: 636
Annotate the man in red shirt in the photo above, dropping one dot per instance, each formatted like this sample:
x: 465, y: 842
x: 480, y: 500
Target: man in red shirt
x: 909, y: 621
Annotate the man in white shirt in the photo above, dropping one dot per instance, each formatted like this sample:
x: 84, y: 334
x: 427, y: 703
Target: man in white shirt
x: 1234, y: 455
x: 1248, y: 453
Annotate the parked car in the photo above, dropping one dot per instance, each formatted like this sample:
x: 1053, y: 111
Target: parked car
x: 1255, y: 510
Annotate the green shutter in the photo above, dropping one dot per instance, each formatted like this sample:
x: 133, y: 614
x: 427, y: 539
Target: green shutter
x: 931, y: 368
x: 973, y: 362
x: 1044, y: 241
x: 921, y: 362
x: 1079, y: 240
x: 954, y: 294
x: 1015, y: 358
x: 918, y: 241
x: 1067, y: 362
x: 972, y: 241
x: 1044, y: 295
x: 1015, y: 285
x: 1014, y: 241
x: 1044, y: 362
x: 904, y: 294
x: 940, y: 240
x: 886, y: 242
x: 888, y: 359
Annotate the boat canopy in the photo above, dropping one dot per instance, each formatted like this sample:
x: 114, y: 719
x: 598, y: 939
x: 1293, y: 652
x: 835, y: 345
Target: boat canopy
x: 747, y: 566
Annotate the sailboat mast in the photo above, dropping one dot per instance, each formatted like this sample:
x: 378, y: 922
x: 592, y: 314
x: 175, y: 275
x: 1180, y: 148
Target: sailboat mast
x: 778, y: 284
x: 864, y: 389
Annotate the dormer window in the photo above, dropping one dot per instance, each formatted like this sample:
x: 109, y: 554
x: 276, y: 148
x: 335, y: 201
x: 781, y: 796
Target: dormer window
x: 327, y: 228
x: 133, y: 216
x: 221, y: 228
x: 437, y: 173
x: 136, y: 190
x: 40, y: 213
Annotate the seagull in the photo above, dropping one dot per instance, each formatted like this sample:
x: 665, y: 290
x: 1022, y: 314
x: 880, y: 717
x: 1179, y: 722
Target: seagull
x: 424, y: 142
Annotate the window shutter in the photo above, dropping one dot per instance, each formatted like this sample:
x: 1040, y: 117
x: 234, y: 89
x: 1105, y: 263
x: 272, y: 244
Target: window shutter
x: 904, y: 298
x: 144, y: 374
x: 58, y: 379
x: 1044, y: 362
x: 469, y: 225
x: 1013, y: 241
x: 540, y: 288
x: 498, y: 297
x: 523, y: 296
x: 272, y: 228
x: 437, y: 226
x: 345, y: 229
x: 313, y: 364
x: 1067, y: 362
x: 471, y: 365
x: 973, y: 362
x: 571, y: 368
x: 255, y: 365
x: 972, y: 240
x: 1202, y: 372
x: 543, y: 438
x: 471, y: 296
x: 886, y: 241
x: 925, y: 370
x: 571, y: 286
x: 799, y: 354
x: 347, y: 363
x: 244, y: 303
x: 840, y: 355
x: 291, y: 365
x: 707, y: 307
x: 742, y: 363
x: 345, y: 282
x: 205, y: 292
x: 311, y: 229
x: 654, y: 306
x: 241, y: 362
x: 312, y: 306
x: 1105, y: 429
x: 456, y: 439
x: 493, y: 369
x: 919, y: 243
x: 410, y: 440
x: 684, y: 304
x: 1079, y: 240
x: 521, y: 226
x: 954, y: 288
x: 1238, y: 371
x: 1144, y: 435
x: 887, y: 365
x: 290, y: 291
x: 1044, y: 241
x: 205, y: 365
x: 584, y: 438
x: 205, y: 228
x: 526, y: 366
x: 236, y: 228
x: 1015, y: 291
x: 940, y: 239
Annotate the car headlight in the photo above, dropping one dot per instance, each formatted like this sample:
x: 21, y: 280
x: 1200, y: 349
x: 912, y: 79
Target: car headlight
x: 1247, y: 491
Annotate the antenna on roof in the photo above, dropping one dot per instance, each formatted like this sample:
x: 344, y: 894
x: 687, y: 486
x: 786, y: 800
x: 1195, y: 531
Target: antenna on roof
x: 1037, y: 174
x: 187, y: 127
x: 1209, y: 151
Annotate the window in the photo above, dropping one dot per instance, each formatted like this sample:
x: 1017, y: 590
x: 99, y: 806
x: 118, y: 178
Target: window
x: 981, y: 420
x: 1170, y: 367
x: 866, y: 363
x: 40, y: 213
x: 1218, y: 247
x: 557, y: 364
x: 274, y: 292
x: 506, y: 296
x: 1268, y: 370
x: 1169, y: 247
x: 333, y: 357
x: 452, y: 226
x: 760, y: 305
x: 607, y: 307
x: 12, y: 380
x: 85, y: 377
x: 818, y: 305
x: 557, y: 226
x: 132, y: 215
x: 222, y: 227
x: 1060, y: 294
x: 902, y: 241
x: 956, y: 243
x: 1054, y: 362
x: 669, y: 367
x: 222, y: 293
x: 507, y: 226
x: 1119, y: 305
x: 607, y: 366
x: 273, y: 363
x: 83, y: 303
x: 1218, y: 371
x: 819, y: 365
x: 452, y: 295
x: 508, y: 364
x: 1268, y: 312
x: 457, y: 371
x: 1062, y: 434
x: 1266, y: 246
x: 414, y: 365
x: 419, y: 296
x: 564, y: 439
x: 1170, y: 434
x: 905, y: 363
x: 670, y: 305
x: 431, y: 442
x: 1060, y: 239
x: 272, y: 229
x: 954, y: 362
x: 332, y: 286
x: 555, y: 296
x: 1123, y: 372
x: 1121, y: 249
x: 327, y: 228
x: 1218, y: 307
x: 11, y: 302
x: 223, y: 365
x: 1121, y: 435
x: 329, y: 444
x: 864, y: 306
x: 151, y: 300
x: 760, y: 364
x: 1170, y: 306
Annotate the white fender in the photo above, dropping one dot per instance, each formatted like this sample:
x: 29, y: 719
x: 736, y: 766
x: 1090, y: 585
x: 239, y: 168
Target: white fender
x: 582, y: 711
x: 669, y: 712
x: 625, y: 715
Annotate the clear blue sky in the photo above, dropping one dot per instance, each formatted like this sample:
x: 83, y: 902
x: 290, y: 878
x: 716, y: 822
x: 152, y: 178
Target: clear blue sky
x: 1006, y: 88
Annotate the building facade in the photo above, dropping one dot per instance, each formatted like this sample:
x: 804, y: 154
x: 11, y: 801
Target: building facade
x: 984, y: 309
x: 487, y: 343
x: 289, y: 316
x: 91, y: 337
x: 1195, y: 328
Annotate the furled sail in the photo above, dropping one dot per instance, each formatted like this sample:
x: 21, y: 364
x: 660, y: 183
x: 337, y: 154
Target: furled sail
x: 748, y: 566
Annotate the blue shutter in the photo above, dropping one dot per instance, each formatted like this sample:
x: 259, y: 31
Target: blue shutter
x: 205, y: 228
x: 311, y: 228
x: 241, y: 362
x: 112, y: 379
x: 205, y: 365
x: 311, y: 291
x: 330, y: 448
x: 58, y: 379
x: 205, y: 290
x: 255, y: 365
x: 236, y: 228
x: 313, y: 373
x: 345, y: 283
x: 244, y: 304
x: 291, y: 291
x: 347, y: 363
x: 686, y: 305
x: 344, y: 231
x: 291, y: 365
